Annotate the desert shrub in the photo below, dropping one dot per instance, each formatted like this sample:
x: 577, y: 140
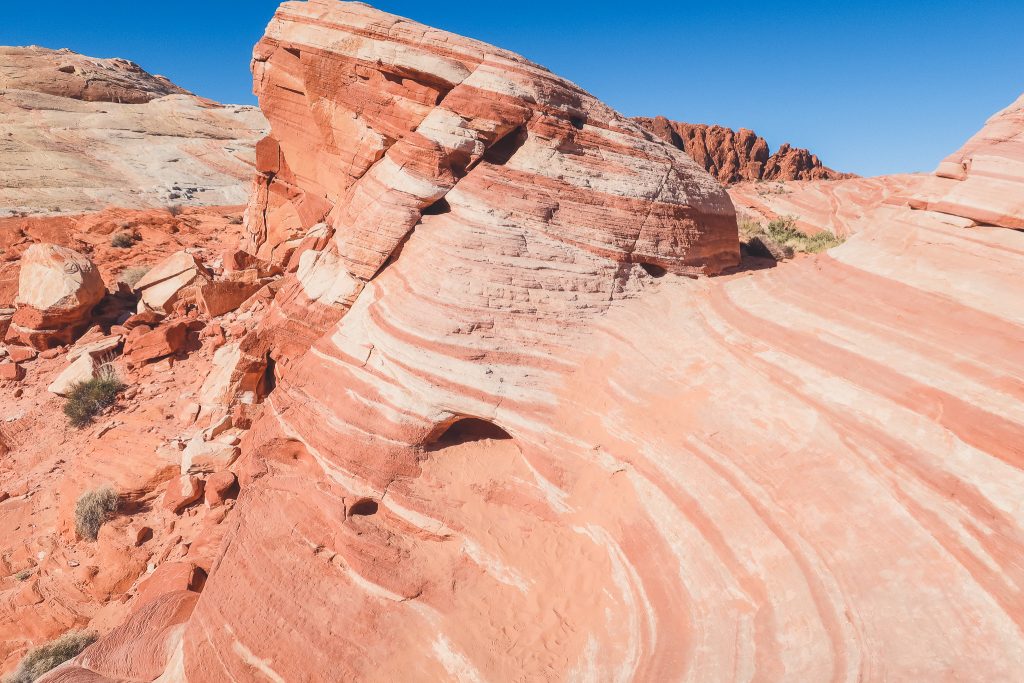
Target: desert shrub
x: 92, y: 509
x: 781, y: 236
x: 23, y: 574
x: 87, y: 399
x: 131, y: 276
x: 122, y: 240
x: 749, y: 228
x: 174, y: 209
x: 39, y: 660
x: 784, y: 231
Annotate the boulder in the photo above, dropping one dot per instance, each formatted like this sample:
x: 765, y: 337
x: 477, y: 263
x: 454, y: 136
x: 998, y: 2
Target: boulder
x: 82, y: 369
x: 218, y: 298
x: 11, y: 372
x: 150, y: 345
x: 218, y: 486
x: 57, y: 290
x: 5, y: 321
x: 98, y: 349
x: 181, y: 492
x: 202, y: 456
x: 148, y: 318
x: 161, y: 287
x: 22, y: 354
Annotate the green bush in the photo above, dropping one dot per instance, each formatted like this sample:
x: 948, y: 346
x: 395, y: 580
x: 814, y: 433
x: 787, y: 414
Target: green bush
x: 39, y: 660
x: 781, y: 238
x: 23, y: 575
x: 784, y: 231
x: 87, y: 399
x: 122, y: 240
x: 92, y: 510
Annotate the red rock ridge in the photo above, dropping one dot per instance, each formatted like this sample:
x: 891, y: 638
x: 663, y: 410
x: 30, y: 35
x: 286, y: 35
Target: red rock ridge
x: 735, y: 156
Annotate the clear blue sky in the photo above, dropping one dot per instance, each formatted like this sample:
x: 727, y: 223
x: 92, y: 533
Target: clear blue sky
x: 871, y: 87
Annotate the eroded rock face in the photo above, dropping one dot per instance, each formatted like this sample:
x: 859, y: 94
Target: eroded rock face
x: 735, y: 156
x: 398, y: 122
x: 57, y: 290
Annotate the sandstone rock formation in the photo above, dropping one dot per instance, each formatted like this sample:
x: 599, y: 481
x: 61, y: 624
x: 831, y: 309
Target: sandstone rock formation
x: 372, y: 137
x: 735, y: 156
x: 64, y: 73
x: 982, y: 183
x: 79, y: 134
x: 502, y: 436
x: 989, y: 175
x: 57, y: 290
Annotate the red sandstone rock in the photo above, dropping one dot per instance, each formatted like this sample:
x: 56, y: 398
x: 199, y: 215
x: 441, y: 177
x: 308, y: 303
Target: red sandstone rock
x: 735, y: 156
x: 700, y: 458
x: 181, y: 492
x: 166, y: 340
x: 170, y: 577
x: 81, y: 134
x: 81, y: 370
x: 161, y: 287
x: 148, y: 318
x: 842, y: 207
x: 217, y: 298
x: 805, y: 472
x: 11, y: 372
x: 989, y: 173
x: 217, y: 487
x: 446, y: 135
x: 64, y: 73
x: 22, y: 354
x: 144, y: 647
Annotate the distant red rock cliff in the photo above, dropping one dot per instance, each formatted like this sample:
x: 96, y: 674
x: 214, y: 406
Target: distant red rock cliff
x: 735, y: 156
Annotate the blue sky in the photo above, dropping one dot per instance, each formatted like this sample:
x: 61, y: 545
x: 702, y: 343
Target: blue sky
x: 871, y: 87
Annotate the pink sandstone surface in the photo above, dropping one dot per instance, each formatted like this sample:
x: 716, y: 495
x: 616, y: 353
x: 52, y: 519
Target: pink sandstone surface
x: 842, y: 207
x: 488, y: 426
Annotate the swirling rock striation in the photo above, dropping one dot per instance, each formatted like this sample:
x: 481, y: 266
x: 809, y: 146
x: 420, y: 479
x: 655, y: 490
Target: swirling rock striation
x: 499, y: 436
